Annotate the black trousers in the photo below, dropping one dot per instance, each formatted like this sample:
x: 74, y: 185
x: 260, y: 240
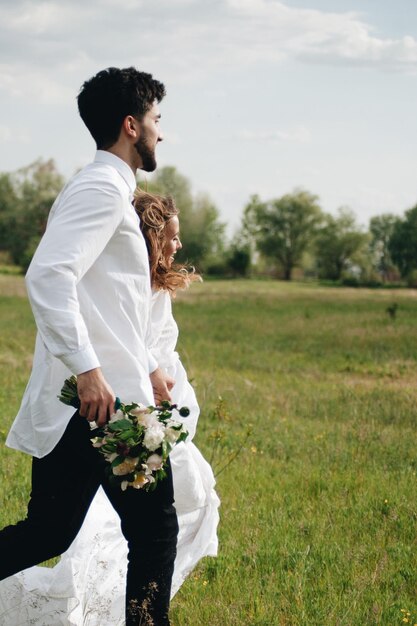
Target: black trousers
x: 63, y: 486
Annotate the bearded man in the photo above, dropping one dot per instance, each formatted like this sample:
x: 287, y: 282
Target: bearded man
x: 90, y: 293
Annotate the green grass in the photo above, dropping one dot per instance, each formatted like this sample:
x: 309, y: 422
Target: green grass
x: 318, y: 516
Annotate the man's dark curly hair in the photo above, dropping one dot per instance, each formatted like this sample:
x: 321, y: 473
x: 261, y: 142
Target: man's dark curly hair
x: 108, y: 97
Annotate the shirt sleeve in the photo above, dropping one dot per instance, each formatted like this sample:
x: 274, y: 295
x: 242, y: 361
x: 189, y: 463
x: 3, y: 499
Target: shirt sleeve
x: 152, y: 362
x: 78, y: 231
x: 163, y: 329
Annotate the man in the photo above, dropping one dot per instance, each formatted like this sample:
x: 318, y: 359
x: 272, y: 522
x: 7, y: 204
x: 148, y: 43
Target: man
x: 89, y: 288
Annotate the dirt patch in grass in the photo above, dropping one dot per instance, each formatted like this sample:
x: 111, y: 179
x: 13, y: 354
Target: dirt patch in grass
x: 213, y: 290
x: 370, y: 381
x: 11, y: 285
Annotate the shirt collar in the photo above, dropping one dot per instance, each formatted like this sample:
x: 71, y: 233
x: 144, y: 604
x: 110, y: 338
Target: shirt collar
x: 103, y: 156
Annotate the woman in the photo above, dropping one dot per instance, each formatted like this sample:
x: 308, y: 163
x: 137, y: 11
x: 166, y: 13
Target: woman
x: 87, y: 586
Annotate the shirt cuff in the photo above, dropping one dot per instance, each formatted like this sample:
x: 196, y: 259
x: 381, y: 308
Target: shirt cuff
x: 152, y: 362
x: 81, y: 361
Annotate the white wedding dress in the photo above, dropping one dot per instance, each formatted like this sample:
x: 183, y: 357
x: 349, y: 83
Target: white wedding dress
x: 87, y: 586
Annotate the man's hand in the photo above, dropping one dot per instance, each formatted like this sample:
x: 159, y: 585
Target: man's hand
x: 161, y: 385
x: 96, y: 396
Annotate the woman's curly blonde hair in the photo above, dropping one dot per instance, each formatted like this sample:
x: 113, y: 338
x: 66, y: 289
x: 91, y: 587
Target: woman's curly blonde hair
x: 154, y: 212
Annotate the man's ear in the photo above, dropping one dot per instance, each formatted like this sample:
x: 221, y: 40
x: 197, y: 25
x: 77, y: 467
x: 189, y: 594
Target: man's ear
x: 131, y: 128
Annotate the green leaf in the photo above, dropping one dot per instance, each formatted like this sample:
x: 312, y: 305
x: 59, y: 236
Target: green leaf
x: 129, y: 407
x: 109, y: 447
x: 182, y: 437
x: 127, y: 435
x: 122, y: 424
x: 117, y: 461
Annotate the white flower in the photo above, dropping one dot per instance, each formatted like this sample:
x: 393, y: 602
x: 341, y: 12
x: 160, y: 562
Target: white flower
x: 149, y: 420
x: 119, y: 415
x: 154, y: 462
x: 126, y: 467
x: 154, y: 436
x: 140, y: 481
x: 172, y: 435
x: 141, y: 409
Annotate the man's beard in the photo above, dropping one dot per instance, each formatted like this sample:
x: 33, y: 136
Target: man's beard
x: 147, y: 155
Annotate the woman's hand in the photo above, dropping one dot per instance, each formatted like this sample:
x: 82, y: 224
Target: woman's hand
x: 161, y: 385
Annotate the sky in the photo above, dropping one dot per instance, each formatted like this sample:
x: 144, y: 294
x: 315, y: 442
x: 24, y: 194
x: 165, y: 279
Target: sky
x: 263, y: 96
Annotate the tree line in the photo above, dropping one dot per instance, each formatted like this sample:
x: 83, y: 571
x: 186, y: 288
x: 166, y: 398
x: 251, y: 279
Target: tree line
x: 282, y: 237
x: 294, y: 233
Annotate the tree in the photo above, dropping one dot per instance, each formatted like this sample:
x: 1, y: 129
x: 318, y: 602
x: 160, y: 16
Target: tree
x: 403, y: 242
x: 202, y: 234
x: 203, y: 238
x: 239, y: 255
x: 284, y: 228
x: 339, y: 245
x: 381, y: 229
x: 8, y: 205
x: 169, y: 182
x: 26, y: 197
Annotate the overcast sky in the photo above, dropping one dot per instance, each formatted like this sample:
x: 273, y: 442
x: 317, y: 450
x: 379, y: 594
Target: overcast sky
x: 262, y: 96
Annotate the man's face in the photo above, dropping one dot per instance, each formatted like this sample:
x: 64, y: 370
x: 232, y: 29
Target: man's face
x: 150, y: 135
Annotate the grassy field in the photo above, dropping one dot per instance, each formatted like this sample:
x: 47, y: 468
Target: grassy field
x: 318, y: 516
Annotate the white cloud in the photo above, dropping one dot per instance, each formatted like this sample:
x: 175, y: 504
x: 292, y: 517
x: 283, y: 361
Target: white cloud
x: 296, y: 135
x: 5, y: 133
x: 8, y: 135
x: 320, y: 36
x: 17, y: 81
x: 368, y: 201
x: 183, y: 38
x: 39, y: 18
x: 172, y: 138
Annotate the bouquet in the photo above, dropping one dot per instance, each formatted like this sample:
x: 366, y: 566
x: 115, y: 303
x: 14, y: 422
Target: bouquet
x: 136, y: 441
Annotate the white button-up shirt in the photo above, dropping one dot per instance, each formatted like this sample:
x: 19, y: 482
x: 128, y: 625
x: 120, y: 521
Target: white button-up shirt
x: 89, y: 288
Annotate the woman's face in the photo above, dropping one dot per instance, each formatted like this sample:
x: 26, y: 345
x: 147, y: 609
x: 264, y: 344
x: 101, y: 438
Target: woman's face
x: 172, y: 240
